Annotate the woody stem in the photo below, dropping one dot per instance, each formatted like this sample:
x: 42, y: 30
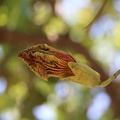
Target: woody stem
x: 110, y: 79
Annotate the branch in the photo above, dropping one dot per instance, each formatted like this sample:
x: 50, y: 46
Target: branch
x: 23, y: 38
x: 97, y: 16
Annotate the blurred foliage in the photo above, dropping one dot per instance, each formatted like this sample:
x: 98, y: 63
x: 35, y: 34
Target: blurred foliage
x: 24, y: 96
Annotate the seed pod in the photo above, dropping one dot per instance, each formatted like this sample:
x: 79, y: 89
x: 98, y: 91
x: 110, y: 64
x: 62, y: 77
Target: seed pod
x: 46, y: 61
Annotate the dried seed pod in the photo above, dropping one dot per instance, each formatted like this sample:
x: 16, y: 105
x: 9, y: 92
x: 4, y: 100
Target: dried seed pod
x: 46, y: 61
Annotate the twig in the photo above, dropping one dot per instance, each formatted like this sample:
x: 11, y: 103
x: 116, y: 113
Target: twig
x: 97, y: 16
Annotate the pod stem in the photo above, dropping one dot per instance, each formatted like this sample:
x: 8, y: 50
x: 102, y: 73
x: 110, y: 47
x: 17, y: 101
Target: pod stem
x: 110, y: 79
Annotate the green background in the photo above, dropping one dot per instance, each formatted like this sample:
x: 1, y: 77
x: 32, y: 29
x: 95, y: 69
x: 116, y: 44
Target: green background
x: 61, y: 24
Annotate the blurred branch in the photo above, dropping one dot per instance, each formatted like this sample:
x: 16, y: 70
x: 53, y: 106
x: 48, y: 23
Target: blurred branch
x: 97, y: 16
x: 22, y: 38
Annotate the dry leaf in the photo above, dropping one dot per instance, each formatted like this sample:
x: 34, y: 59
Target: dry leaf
x: 46, y: 61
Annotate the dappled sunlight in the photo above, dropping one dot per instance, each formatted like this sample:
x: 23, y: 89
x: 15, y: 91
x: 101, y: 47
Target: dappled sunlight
x: 41, y: 12
x: 116, y: 4
x: 101, y: 50
x: 117, y: 61
x: 45, y: 112
x: 3, y: 16
x: 10, y: 114
x: 18, y: 91
x: 54, y: 28
x: 101, y: 103
x: 103, y: 27
x: 3, y: 85
x: 68, y: 9
x: 62, y: 89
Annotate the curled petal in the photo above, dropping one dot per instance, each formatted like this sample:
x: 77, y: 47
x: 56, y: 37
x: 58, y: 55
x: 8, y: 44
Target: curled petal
x: 46, y: 61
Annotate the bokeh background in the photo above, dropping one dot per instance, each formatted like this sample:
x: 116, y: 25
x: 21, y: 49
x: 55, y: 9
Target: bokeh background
x: 87, y: 29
